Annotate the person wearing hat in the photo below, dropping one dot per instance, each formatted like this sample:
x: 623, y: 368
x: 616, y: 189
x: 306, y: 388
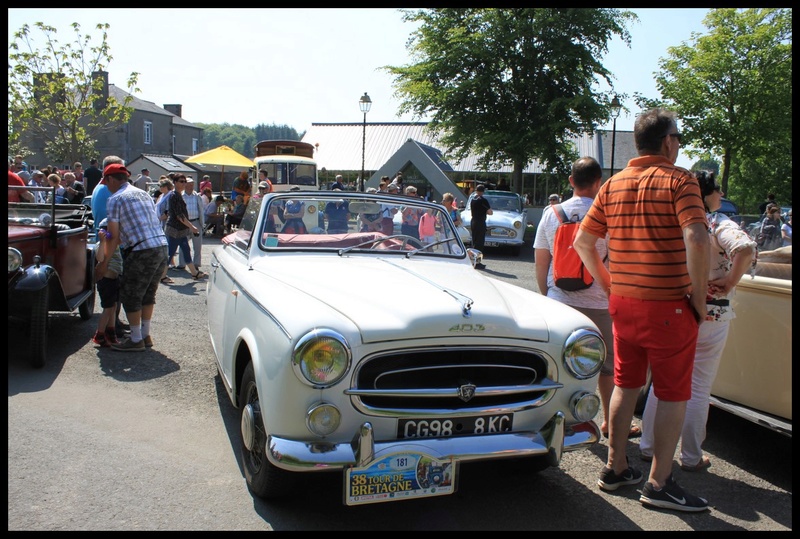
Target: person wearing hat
x: 136, y: 229
x: 263, y: 179
x: 101, y: 193
x: 480, y: 208
x: 143, y: 179
x: 194, y: 209
x: 37, y: 180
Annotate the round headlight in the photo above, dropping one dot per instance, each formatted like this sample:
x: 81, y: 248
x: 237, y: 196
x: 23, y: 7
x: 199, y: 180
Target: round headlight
x: 14, y: 259
x: 517, y: 224
x: 584, y: 353
x: 322, y: 419
x: 321, y: 358
x: 584, y: 405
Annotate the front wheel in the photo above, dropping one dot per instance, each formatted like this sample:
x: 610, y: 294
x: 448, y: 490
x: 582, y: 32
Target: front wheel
x: 264, y: 479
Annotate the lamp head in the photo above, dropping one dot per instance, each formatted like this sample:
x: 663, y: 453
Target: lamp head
x: 616, y: 107
x: 365, y: 103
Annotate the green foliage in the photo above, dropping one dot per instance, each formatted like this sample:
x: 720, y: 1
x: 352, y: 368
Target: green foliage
x: 53, y: 96
x: 732, y: 89
x: 244, y: 139
x: 510, y: 84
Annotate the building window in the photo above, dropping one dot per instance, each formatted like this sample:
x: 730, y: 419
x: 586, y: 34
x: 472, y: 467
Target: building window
x: 195, y: 146
x: 148, y: 132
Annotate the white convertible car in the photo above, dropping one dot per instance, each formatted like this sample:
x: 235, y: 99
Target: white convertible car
x: 388, y: 358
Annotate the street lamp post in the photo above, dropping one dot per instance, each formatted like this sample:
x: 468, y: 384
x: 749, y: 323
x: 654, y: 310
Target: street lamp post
x: 616, y: 107
x: 365, y: 103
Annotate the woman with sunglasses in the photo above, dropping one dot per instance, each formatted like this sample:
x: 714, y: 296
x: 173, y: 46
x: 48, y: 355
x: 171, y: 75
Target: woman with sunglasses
x: 179, y: 228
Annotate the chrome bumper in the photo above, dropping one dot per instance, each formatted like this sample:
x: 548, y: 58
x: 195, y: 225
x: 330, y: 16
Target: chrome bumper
x: 551, y: 441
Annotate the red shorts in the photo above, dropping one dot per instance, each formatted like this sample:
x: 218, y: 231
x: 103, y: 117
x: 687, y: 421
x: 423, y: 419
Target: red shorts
x: 661, y: 334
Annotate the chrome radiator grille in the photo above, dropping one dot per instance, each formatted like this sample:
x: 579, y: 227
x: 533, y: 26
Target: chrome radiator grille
x: 452, y: 380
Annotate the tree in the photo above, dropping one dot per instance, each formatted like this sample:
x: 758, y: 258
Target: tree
x: 732, y: 89
x: 244, y: 139
x: 510, y: 84
x: 55, y: 94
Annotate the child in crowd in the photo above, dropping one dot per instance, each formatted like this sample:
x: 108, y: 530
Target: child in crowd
x: 427, y: 227
x: 107, y: 289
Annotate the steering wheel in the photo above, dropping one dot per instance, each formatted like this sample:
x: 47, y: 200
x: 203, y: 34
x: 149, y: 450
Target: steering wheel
x: 410, y: 240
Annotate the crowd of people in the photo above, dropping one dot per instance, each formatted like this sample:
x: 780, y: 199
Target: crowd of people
x: 663, y: 279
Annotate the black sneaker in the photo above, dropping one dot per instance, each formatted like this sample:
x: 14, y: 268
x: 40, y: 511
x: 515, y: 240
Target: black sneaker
x: 672, y: 496
x: 609, y: 481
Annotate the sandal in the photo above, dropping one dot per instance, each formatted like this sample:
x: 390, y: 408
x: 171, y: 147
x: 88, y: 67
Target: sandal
x: 199, y: 275
x: 167, y: 280
x: 704, y: 463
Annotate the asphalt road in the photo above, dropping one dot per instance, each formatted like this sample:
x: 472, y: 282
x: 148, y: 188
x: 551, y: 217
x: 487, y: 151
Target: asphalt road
x: 99, y: 440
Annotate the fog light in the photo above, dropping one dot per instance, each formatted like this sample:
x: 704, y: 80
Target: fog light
x: 323, y: 419
x: 584, y: 405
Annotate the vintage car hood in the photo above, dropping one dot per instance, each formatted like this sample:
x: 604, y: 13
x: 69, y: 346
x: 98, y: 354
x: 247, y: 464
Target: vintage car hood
x: 391, y: 298
x: 498, y: 217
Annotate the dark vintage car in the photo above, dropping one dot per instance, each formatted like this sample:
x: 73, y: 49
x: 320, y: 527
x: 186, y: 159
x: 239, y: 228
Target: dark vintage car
x: 50, y: 268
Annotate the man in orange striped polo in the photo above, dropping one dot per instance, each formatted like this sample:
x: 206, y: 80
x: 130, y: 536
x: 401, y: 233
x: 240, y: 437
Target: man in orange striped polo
x: 657, y: 279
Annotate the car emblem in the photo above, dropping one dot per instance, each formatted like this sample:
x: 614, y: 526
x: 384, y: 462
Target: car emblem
x: 466, y: 392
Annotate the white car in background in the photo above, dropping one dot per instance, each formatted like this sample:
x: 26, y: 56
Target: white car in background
x: 506, y: 226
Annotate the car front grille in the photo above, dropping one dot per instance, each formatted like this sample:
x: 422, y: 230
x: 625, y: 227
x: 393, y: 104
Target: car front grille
x: 453, y: 381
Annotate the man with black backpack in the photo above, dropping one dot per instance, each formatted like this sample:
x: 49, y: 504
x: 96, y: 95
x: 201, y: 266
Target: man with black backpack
x: 561, y: 275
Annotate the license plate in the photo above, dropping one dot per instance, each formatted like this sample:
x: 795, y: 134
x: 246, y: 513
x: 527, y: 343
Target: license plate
x: 491, y: 244
x: 444, y: 428
x: 400, y: 476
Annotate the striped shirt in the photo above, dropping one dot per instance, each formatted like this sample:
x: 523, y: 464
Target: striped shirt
x: 644, y: 209
x: 135, y: 212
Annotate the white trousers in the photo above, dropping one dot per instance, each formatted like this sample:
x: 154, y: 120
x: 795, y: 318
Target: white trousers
x: 711, y: 339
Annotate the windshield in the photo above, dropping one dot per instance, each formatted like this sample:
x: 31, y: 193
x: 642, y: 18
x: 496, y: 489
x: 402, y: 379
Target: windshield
x: 354, y: 223
x: 504, y: 203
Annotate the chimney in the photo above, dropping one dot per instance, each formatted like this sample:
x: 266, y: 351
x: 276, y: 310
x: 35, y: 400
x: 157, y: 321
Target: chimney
x: 103, y: 101
x: 177, y: 110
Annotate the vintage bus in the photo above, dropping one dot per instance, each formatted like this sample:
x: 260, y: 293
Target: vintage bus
x: 289, y: 163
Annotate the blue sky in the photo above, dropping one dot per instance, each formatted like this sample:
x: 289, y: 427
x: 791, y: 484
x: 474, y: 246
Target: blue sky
x: 302, y: 66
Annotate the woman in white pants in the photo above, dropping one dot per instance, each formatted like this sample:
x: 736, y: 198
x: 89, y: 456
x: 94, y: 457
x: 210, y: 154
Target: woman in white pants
x: 732, y: 253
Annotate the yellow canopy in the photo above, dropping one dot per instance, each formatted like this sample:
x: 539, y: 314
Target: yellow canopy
x: 222, y: 156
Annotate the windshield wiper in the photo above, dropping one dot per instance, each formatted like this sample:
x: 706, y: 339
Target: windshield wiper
x: 415, y: 251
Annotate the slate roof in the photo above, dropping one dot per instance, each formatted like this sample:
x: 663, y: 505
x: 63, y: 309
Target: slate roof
x: 147, y: 106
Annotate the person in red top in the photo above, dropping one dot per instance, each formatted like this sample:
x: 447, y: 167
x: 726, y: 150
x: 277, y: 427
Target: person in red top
x: 205, y: 184
x: 262, y: 178
x: 657, y: 278
x: 18, y: 195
